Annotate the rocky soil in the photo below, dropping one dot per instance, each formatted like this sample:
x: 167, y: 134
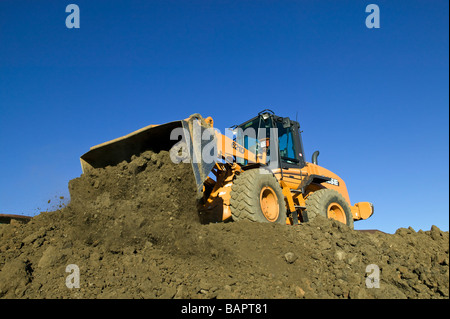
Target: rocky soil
x: 133, y: 232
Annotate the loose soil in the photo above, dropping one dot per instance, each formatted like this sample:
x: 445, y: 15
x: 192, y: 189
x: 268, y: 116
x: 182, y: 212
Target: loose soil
x: 133, y: 232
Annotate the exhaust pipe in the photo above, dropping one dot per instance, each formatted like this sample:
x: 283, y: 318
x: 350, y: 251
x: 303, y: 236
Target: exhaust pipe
x: 314, y: 157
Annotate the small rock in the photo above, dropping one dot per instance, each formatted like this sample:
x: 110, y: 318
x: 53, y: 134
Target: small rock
x: 299, y: 292
x: 290, y: 257
x: 352, y: 259
x: 337, y: 290
x: 31, y: 238
x: 340, y: 255
x: 435, y: 233
x: 324, y: 245
x: 358, y: 293
x: 169, y: 293
x: 402, y: 269
x: 181, y: 292
x: 50, y: 258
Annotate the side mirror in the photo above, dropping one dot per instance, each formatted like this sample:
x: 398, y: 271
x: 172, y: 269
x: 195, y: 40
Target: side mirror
x: 286, y: 122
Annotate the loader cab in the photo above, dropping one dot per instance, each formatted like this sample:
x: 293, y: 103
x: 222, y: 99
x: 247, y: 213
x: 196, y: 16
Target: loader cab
x: 281, y: 134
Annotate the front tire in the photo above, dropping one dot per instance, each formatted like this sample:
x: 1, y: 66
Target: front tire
x: 256, y: 195
x: 330, y: 204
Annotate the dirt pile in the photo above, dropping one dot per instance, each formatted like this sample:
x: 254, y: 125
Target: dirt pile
x: 133, y: 232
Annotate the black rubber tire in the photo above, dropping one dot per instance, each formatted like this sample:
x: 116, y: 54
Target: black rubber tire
x: 317, y: 204
x: 245, y: 196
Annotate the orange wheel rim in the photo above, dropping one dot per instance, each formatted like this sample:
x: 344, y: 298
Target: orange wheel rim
x: 269, y: 204
x: 335, y: 211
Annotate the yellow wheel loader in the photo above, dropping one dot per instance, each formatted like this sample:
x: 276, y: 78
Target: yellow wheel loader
x: 254, y: 171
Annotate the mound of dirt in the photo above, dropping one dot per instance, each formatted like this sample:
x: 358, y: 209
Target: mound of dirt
x: 133, y: 231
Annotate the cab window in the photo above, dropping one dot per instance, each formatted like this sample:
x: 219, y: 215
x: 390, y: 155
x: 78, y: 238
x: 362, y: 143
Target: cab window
x: 286, y: 144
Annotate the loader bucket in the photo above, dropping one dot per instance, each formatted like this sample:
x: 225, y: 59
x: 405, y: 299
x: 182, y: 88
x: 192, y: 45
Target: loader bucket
x: 155, y: 138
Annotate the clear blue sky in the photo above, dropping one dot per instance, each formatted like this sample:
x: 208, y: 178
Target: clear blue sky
x: 375, y: 102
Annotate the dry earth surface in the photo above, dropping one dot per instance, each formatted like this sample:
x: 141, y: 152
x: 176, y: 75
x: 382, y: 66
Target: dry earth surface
x: 133, y: 231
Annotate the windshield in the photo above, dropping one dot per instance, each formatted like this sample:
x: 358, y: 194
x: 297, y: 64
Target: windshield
x: 246, y: 136
x: 286, y: 144
x: 250, y: 133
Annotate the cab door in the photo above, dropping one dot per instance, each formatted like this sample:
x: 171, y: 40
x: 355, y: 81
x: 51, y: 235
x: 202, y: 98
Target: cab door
x: 290, y: 152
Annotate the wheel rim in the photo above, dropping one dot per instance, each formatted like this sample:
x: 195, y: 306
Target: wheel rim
x: 335, y: 211
x: 269, y: 204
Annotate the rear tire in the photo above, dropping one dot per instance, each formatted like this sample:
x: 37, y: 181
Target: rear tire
x: 330, y: 204
x: 256, y: 195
